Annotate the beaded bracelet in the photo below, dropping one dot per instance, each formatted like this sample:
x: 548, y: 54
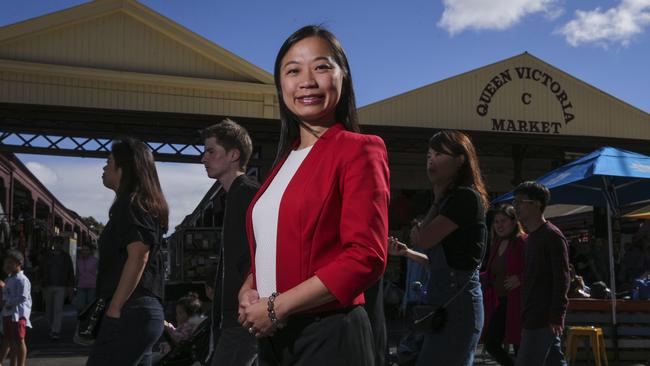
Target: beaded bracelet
x: 270, y: 308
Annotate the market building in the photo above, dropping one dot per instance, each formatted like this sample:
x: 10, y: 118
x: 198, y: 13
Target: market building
x: 524, y: 115
x: 73, y: 80
x: 112, y: 67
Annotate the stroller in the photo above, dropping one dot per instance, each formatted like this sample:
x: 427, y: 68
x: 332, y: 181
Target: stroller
x: 191, y: 350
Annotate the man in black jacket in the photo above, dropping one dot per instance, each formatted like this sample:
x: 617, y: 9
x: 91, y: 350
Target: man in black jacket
x: 228, y: 148
x: 57, y: 281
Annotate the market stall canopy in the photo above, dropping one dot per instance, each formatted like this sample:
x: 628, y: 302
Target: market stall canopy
x: 621, y: 176
x: 607, y: 177
x: 560, y: 210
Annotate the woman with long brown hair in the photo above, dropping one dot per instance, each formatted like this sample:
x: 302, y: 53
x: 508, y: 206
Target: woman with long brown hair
x: 502, y: 285
x: 130, y: 273
x: 454, y: 234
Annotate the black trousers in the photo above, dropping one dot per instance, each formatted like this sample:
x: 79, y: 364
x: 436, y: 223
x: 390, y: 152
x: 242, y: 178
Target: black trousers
x: 495, y: 334
x: 337, y: 338
x: 375, y: 308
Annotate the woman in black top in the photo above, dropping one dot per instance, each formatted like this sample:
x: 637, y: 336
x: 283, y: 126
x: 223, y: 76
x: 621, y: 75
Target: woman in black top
x: 130, y: 273
x: 454, y: 233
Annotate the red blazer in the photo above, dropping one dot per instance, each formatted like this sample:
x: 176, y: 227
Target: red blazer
x: 333, y: 217
x: 514, y: 267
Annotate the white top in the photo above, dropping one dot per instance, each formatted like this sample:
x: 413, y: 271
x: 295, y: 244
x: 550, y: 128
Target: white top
x: 18, y: 298
x: 265, y: 222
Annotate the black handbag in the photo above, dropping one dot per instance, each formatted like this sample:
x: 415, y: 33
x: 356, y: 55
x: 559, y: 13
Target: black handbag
x: 429, y: 318
x: 89, y: 320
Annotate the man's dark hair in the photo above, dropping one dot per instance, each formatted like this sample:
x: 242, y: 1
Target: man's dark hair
x: 535, y: 191
x: 231, y: 135
x: 16, y: 256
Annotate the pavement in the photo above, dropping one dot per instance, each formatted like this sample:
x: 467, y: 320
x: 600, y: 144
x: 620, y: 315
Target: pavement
x: 43, y: 351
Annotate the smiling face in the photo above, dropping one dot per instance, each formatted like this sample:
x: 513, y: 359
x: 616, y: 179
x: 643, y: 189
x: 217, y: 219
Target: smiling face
x: 503, y: 225
x: 311, y: 81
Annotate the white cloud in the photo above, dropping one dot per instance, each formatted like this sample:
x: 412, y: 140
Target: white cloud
x: 617, y: 25
x: 77, y: 184
x: 46, y: 175
x: 184, y: 185
x: 460, y: 15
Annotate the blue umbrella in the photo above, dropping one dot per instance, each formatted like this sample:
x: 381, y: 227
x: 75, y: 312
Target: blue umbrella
x: 607, y: 177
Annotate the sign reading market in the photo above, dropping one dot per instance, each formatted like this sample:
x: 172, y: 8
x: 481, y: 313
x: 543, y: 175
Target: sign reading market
x: 509, y: 124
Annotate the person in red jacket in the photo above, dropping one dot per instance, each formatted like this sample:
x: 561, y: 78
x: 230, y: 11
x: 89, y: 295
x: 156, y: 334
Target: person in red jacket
x: 502, y: 285
x: 318, y: 226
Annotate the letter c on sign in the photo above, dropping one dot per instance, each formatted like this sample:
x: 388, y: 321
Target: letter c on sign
x: 525, y: 98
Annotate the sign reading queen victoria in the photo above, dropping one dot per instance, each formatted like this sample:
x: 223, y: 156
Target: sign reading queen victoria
x: 521, y: 95
x: 535, y: 81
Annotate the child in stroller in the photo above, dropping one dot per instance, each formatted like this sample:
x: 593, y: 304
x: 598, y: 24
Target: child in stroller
x: 184, y: 341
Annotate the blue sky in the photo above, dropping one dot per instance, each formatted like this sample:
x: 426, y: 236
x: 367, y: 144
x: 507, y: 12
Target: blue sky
x: 396, y: 46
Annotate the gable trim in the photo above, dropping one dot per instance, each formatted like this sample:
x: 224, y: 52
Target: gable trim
x: 135, y: 77
x: 140, y: 12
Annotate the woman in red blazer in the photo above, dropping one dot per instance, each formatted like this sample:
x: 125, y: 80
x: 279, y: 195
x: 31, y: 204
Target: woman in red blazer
x: 502, y: 284
x: 318, y: 226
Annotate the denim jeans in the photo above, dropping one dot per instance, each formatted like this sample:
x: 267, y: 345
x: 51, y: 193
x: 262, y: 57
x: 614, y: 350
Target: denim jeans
x: 455, y: 343
x: 127, y: 341
x: 540, y: 347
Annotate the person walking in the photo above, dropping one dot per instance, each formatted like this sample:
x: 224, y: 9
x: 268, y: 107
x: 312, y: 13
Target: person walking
x: 454, y: 235
x: 16, y: 309
x: 546, y: 280
x: 57, y: 280
x: 502, y: 285
x: 86, y: 277
x: 130, y: 273
x: 228, y: 147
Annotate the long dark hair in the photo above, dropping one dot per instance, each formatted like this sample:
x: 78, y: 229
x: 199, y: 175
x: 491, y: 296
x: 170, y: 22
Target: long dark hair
x: 139, y: 181
x: 469, y: 174
x: 346, y: 109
